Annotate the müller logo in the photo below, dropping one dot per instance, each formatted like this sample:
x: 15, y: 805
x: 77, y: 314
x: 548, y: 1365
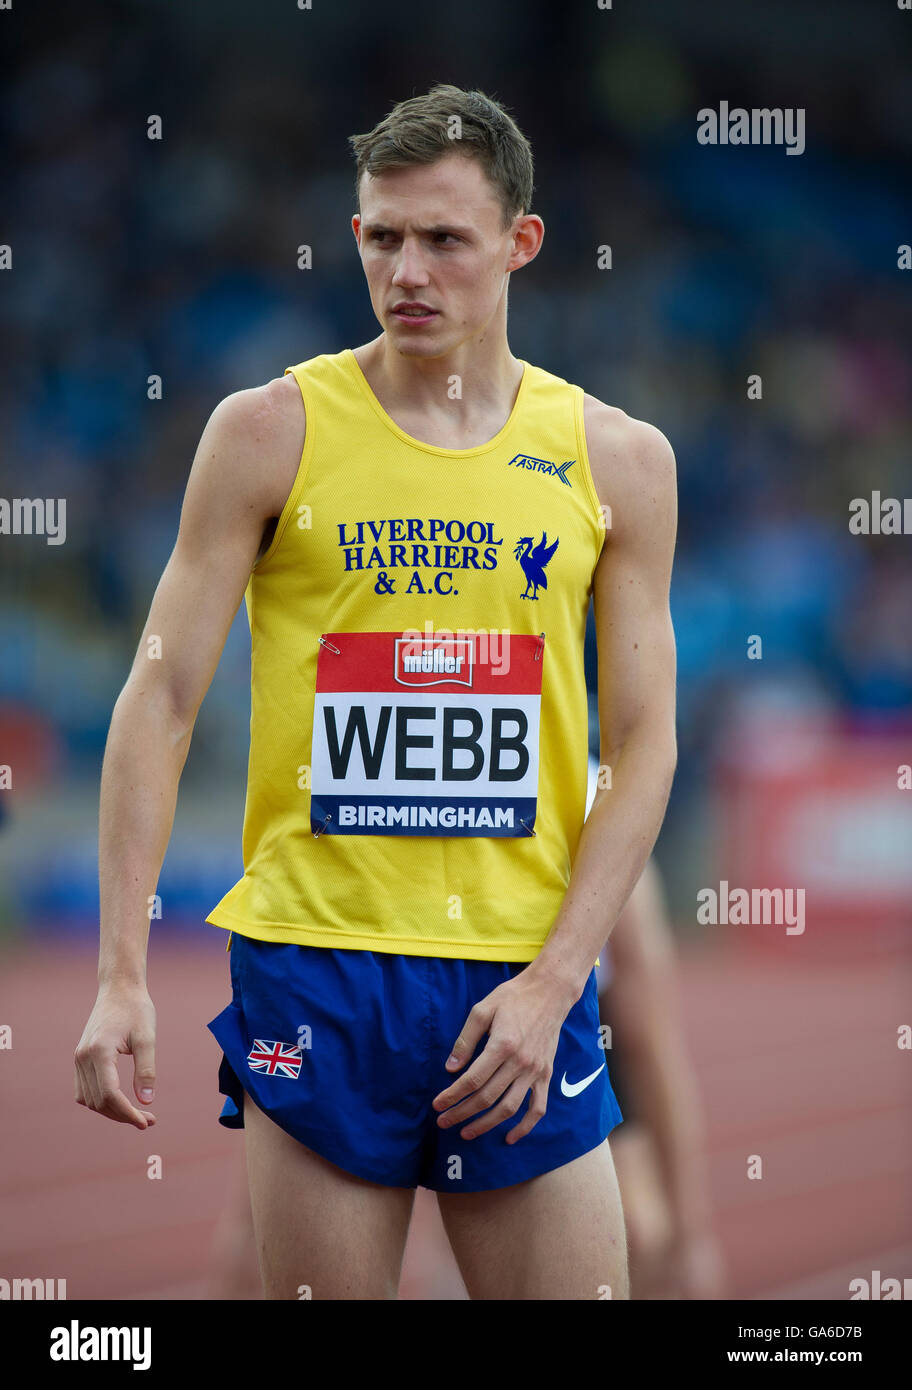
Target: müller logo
x: 433, y: 661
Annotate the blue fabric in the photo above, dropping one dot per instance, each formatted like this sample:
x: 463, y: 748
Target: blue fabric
x: 366, y: 1035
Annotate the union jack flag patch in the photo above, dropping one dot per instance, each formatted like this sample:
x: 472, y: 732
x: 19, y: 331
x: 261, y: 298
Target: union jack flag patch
x: 275, y: 1058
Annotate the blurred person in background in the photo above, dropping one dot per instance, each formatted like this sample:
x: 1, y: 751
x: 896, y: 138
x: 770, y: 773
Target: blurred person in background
x: 660, y: 1149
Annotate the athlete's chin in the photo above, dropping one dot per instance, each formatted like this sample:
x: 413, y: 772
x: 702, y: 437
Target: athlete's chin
x: 412, y: 344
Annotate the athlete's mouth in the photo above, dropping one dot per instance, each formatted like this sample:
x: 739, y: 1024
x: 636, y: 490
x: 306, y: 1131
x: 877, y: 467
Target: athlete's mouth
x: 412, y: 311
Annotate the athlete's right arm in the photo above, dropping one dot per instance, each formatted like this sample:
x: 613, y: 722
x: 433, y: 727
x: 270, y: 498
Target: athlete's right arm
x: 241, y: 477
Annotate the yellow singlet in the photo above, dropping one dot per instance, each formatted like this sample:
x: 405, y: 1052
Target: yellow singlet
x: 419, y: 720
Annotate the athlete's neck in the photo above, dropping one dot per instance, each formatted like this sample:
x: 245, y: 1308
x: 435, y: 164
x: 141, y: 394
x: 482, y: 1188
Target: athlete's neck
x: 462, y: 398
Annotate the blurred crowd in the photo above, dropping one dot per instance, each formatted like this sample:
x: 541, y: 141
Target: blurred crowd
x: 177, y: 258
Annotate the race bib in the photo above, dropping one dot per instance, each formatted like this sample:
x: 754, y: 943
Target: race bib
x: 426, y: 736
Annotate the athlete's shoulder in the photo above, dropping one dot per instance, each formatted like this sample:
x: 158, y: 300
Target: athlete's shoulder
x: 260, y: 413
x: 254, y: 440
x: 268, y: 414
x: 626, y: 455
x: 325, y: 366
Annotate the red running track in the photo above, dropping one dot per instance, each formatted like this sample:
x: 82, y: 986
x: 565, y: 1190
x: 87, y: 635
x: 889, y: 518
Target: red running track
x: 797, y: 1061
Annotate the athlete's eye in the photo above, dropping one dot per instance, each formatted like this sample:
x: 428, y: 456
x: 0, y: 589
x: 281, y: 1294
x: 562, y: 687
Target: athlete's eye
x: 445, y: 236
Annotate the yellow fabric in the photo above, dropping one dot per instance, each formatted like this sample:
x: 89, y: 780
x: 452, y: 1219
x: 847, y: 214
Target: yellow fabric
x: 475, y: 895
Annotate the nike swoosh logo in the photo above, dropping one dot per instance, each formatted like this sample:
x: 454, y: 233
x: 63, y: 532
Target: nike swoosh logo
x: 573, y: 1088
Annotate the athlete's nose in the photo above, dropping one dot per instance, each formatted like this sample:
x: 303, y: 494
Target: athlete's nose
x: 410, y: 271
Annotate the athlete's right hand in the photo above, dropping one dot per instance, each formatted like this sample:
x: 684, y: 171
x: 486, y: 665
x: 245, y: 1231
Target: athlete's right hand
x: 122, y: 1022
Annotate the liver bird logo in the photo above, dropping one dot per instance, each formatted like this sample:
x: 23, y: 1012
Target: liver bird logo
x: 533, y: 562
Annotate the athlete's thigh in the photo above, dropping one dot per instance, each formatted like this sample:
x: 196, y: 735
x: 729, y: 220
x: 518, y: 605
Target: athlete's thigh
x: 557, y: 1236
x: 320, y: 1232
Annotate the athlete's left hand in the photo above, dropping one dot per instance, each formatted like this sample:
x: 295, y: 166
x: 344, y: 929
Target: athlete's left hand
x: 524, y: 1017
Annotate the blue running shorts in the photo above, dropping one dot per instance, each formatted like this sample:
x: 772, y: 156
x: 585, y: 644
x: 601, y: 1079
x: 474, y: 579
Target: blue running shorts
x: 345, y: 1050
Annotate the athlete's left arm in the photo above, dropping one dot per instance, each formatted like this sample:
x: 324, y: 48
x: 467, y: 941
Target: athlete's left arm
x: 633, y: 469
x: 634, y: 474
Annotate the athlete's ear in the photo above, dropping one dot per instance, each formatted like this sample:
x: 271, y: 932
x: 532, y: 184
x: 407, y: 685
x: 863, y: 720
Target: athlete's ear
x: 528, y: 234
x: 356, y: 228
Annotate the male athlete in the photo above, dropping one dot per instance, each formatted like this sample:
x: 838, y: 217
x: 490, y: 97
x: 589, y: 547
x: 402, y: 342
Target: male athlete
x: 418, y: 525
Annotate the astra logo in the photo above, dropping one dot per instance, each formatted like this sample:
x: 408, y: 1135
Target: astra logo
x: 558, y: 470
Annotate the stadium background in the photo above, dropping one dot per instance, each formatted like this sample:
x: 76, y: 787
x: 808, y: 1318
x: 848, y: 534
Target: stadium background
x: 177, y: 257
